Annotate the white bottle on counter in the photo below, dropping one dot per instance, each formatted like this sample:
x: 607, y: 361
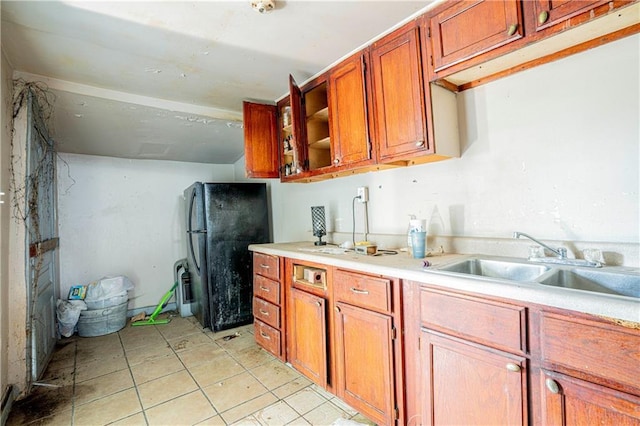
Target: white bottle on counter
x: 415, y: 225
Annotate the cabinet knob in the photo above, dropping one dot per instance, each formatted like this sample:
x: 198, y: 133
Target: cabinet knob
x: 512, y: 29
x: 542, y: 17
x: 318, y: 304
x: 419, y: 143
x: 552, y: 385
x: 336, y: 161
x: 337, y: 308
x: 512, y: 366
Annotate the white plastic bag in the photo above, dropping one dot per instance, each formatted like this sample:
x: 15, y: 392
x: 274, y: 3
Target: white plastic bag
x: 108, y: 287
x: 68, y: 313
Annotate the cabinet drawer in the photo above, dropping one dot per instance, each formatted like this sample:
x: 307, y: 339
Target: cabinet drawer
x: 267, y: 337
x: 266, y: 312
x: 609, y: 352
x: 495, y: 324
x: 266, y: 289
x: 267, y: 266
x: 363, y: 291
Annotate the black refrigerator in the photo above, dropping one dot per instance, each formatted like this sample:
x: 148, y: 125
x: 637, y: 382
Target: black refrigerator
x: 222, y: 220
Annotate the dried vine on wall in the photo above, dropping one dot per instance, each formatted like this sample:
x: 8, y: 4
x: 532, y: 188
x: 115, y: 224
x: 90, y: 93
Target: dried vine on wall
x: 27, y: 181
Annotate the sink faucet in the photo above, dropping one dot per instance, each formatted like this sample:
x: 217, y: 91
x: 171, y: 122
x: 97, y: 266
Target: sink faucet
x: 561, y: 252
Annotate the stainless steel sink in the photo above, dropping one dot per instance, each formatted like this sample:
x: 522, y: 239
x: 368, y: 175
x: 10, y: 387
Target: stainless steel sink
x: 491, y: 268
x: 621, y: 284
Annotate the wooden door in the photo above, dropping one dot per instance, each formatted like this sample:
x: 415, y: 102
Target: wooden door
x: 42, y: 232
x: 569, y: 401
x: 550, y: 12
x: 308, y: 334
x: 348, y: 112
x: 364, y: 351
x: 469, y: 384
x: 261, y: 151
x: 469, y: 28
x: 399, y: 106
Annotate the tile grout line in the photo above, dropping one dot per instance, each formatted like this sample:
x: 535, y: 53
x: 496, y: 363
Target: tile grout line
x: 135, y: 385
x: 193, y: 378
x: 73, y: 395
x: 231, y: 351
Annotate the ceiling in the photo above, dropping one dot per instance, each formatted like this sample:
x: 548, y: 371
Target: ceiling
x: 166, y: 80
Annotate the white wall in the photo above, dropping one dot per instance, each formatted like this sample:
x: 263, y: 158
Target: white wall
x: 125, y: 217
x: 552, y: 151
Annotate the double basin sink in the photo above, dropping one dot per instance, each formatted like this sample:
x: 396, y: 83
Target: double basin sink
x: 619, y: 283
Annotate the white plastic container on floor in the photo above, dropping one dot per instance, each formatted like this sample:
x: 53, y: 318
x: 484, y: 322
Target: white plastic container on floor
x: 98, y: 322
x: 108, y: 302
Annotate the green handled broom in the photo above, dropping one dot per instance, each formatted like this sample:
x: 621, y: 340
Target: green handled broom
x: 163, y: 304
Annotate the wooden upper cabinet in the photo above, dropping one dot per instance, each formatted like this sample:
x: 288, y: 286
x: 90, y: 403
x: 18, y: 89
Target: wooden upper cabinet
x: 348, y: 112
x: 550, y: 12
x: 399, y: 104
x: 470, y: 28
x: 315, y: 101
x: 298, y: 139
x: 260, y: 140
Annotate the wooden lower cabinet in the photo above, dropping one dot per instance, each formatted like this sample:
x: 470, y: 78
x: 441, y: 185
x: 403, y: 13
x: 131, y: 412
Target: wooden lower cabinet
x: 569, y: 401
x: 308, y: 335
x: 364, y: 351
x: 268, y: 306
x: 589, y: 369
x: 468, y: 384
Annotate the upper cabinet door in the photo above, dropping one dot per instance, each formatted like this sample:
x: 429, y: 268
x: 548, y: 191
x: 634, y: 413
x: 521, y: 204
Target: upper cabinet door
x: 260, y: 140
x: 549, y: 12
x: 299, y: 142
x: 470, y: 28
x: 399, y: 107
x: 348, y: 112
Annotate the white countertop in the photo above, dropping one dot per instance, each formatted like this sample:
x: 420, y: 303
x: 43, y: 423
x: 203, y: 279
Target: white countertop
x: 403, y: 266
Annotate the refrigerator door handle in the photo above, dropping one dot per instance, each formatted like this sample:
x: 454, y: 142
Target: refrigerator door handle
x: 197, y: 231
x: 190, y: 231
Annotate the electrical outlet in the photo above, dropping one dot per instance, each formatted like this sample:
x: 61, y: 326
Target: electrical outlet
x: 363, y: 194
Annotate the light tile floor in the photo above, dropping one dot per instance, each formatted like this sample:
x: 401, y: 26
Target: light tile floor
x: 174, y: 374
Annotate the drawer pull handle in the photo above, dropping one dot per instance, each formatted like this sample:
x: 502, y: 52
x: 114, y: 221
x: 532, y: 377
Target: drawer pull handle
x: 264, y: 289
x: 264, y: 336
x: 512, y: 29
x: 513, y: 367
x: 358, y: 291
x: 265, y: 313
x: 552, y: 385
x: 542, y: 18
x: 262, y: 265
